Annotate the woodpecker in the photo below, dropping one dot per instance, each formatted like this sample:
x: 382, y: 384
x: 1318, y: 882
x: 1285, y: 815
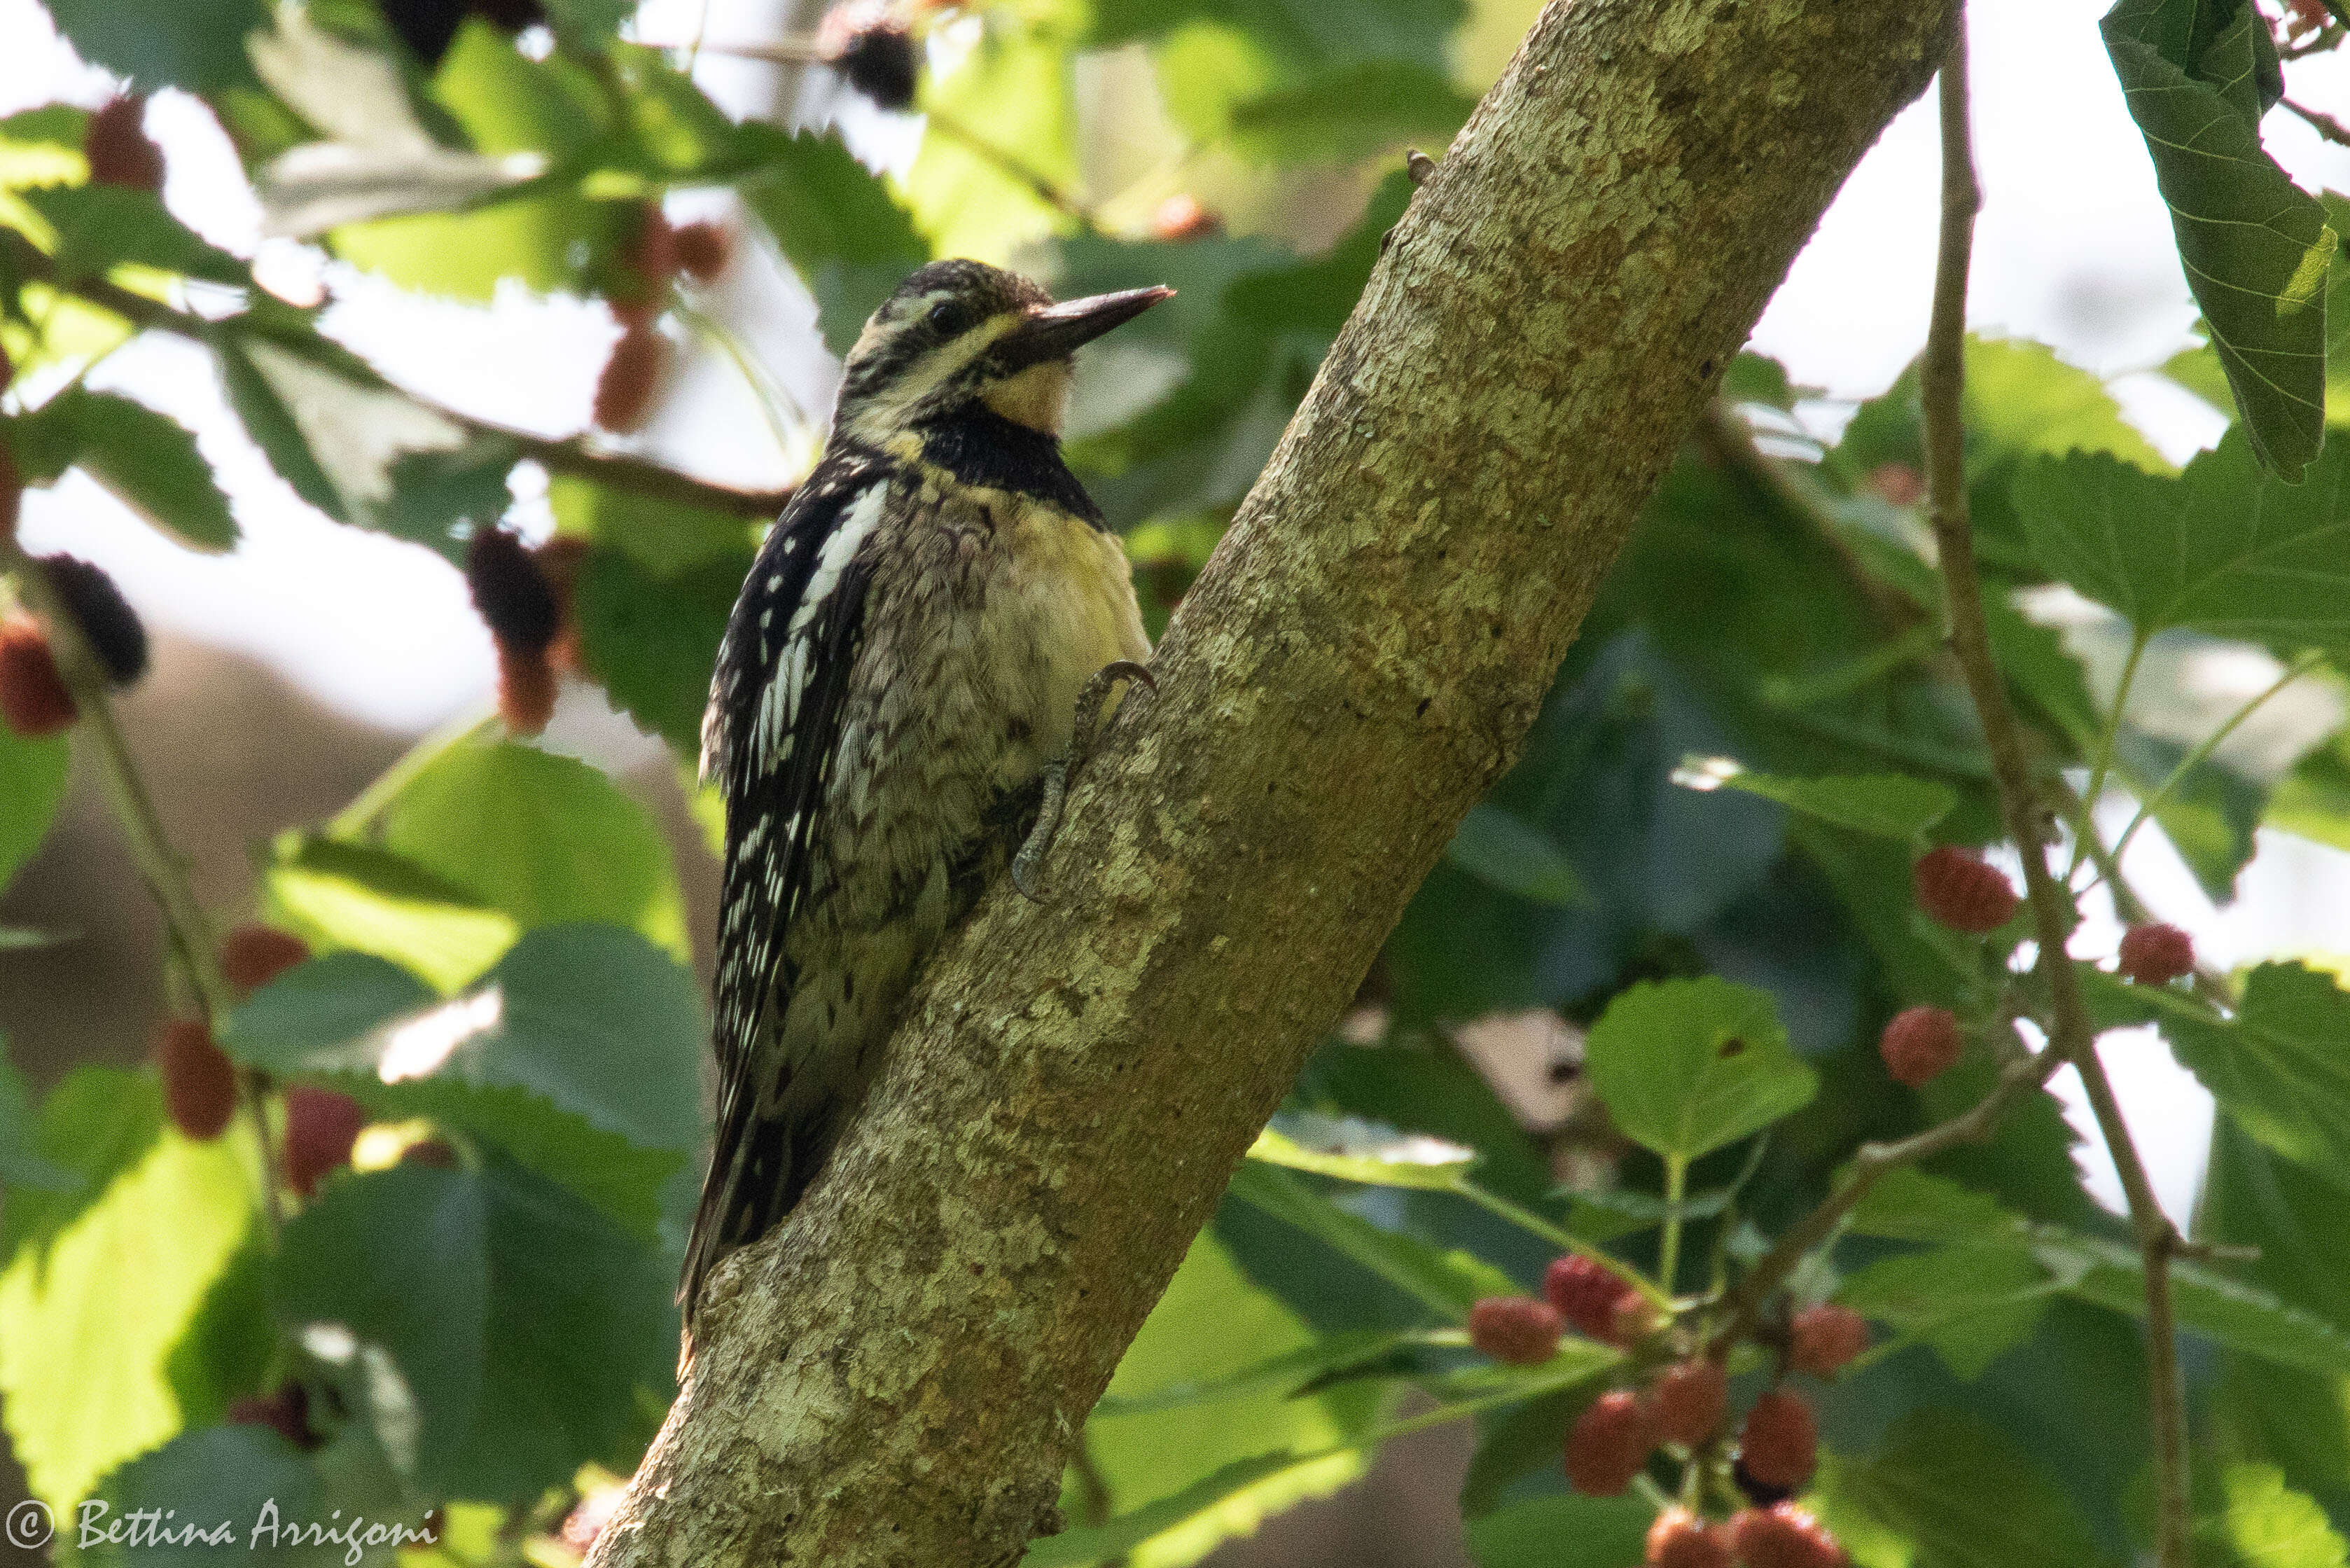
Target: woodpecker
x: 927, y: 635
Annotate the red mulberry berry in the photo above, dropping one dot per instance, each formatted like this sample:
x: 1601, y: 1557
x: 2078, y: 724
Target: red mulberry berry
x: 1609, y: 1444
x: 703, y: 250
x: 287, y: 1411
x: 253, y: 956
x: 1780, y: 1442
x: 32, y: 695
x: 526, y: 690
x: 624, y: 392
x: 510, y: 591
x: 1181, y: 217
x: 199, y: 1080
x: 321, y: 1125
x: 1963, y: 891
x: 1825, y: 1339
x: 1679, y: 1539
x: 1689, y: 1401
x: 1919, y: 1044
x: 1517, y: 1329
x: 2157, y: 955
x: 1783, y: 1536
x: 1585, y: 1293
x: 115, y: 143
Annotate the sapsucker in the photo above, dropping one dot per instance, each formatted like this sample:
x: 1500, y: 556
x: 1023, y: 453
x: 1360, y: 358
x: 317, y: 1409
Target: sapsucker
x: 895, y: 701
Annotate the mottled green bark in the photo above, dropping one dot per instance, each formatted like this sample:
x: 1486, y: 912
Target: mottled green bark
x: 896, y: 1377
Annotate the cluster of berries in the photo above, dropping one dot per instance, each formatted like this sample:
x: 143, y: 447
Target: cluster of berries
x: 524, y: 595
x: 656, y: 254
x: 1687, y: 1404
x: 1959, y: 890
x: 34, y: 699
x: 200, y: 1083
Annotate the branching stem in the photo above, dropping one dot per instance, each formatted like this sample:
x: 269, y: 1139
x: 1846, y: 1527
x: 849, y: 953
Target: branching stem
x: 2071, y: 1038
x: 160, y: 866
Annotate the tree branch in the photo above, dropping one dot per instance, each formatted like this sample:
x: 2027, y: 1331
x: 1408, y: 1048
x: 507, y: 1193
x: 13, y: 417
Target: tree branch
x: 899, y: 1376
x: 1942, y: 382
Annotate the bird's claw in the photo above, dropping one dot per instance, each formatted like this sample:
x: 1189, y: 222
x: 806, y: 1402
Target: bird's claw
x: 1083, y: 735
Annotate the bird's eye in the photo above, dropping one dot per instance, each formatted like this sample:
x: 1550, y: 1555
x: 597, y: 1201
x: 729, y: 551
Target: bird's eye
x: 943, y: 315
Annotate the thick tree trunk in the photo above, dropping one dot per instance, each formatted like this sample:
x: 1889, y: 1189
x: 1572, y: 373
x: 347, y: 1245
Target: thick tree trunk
x: 896, y: 1376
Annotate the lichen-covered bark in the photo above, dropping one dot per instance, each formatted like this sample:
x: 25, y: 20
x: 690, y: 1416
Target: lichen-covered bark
x: 896, y: 1377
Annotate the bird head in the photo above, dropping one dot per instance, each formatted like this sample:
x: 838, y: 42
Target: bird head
x: 962, y: 335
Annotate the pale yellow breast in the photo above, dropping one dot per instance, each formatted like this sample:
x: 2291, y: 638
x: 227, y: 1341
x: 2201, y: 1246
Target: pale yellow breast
x: 1066, y: 594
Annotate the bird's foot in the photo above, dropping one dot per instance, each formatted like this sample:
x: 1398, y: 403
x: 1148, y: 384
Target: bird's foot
x: 1062, y: 771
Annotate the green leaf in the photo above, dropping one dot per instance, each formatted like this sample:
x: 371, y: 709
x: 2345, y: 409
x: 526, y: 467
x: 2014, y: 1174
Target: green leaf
x: 163, y: 43
x: 237, y: 1476
x: 2223, y: 549
x: 1011, y: 91
x: 651, y: 639
x: 1448, y: 1282
x: 341, y: 443
x: 1349, y: 112
x: 2258, y: 1522
x: 1957, y: 1493
x: 1503, y: 851
x: 527, y: 1327
x: 1120, y: 1536
x: 579, y: 1054
x: 2278, y: 1067
x: 1153, y: 1441
x: 2255, y: 246
x: 147, y: 460
x: 543, y: 838
x: 22, y: 1163
x: 1562, y: 1531
x: 82, y: 1357
x: 32, y: 785
x: 340, y: 896
x: 1687, y: 1065
x: 1890, y: 806
x: 1972, y: 1303
x: 103, y: 227
x: 836, y: 223
x: 1353, y: 1150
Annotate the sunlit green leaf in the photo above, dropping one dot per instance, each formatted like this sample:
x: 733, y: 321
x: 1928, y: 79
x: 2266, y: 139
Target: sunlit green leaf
x: 835, y: 224
x: 32, y: 783
x: 147, y: 460
x: 1448, y: 1282
x: 2258, y: 1522
x: 1959, y: 1493
x: 163, y: 43
x: 100, y: 226
x: 82, y: 1357
x: 1357, y: 1151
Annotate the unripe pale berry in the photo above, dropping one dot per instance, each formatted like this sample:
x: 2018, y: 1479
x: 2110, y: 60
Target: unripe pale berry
x: 1516, y: 1329
x: 1824, y: 1339
x: 1609, y: 1444
x: 199, y: 1080
x: 2157, y: 955
x: 1919, y: 1044
x: 321, y: 1125
x: 1586, y: 1294
x: 32, y: 695
x: 1690, y: 1400
x: 1783, y: 1536
x: 1963, y: 891
x: 1679, y: 1539
x: 1632, y: 1319
x: 1181, y: 217
x: 253, y: 955
x: 1779, y: 1445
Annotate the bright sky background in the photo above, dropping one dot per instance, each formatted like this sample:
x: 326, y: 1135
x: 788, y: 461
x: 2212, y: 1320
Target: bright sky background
x: 2074, y: 249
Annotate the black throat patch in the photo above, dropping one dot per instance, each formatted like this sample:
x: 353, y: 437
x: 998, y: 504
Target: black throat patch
x: 980, y: 446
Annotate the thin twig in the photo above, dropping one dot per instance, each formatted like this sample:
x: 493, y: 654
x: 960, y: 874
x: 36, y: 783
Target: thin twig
x: 2326, y: 125
x: 1047, y: 189
x: 633, y: 475
x: 2021, y: 1073
x: 2071, y: 1037
x: 160, y: 866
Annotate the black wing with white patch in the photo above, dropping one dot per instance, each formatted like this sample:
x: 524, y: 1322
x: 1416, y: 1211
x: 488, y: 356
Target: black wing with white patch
x: 767, y: 741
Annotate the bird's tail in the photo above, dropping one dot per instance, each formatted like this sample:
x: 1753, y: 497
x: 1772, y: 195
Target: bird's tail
x: 760, y: 1165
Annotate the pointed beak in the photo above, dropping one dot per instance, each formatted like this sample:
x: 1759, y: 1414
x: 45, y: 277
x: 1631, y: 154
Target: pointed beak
x: 1059, y: 330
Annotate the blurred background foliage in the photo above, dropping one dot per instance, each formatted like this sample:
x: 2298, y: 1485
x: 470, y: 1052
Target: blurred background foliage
x: 468, y: 1315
